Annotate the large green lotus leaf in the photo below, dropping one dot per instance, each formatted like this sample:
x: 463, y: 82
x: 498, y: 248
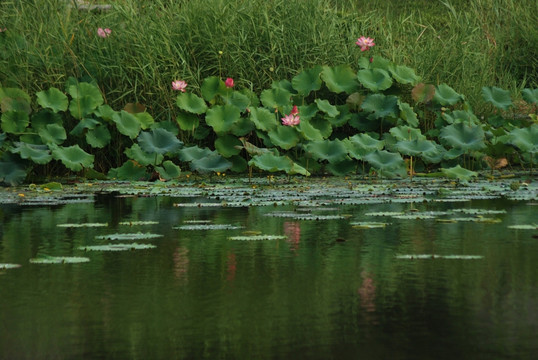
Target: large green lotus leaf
x: 530, y: 95
x: 526, y: 139
x: 252, y: 149
x: 127, y: 124
x: 327, y: 108
x: 434, y: 157
x: 343, y: 116
x: 416, y: 147
x: 211, y: 87
x: 453, y: 153
x: 167, y: 125
x: 381, y: 105
x: 242, y: 127
x: 263, y: 119
x: 84, y: 89
x: 308, y: 111
x: 423, y: 93
x: 44, y: 117
x: 40, y: 154
x: 461, y: 116
x: 308, y: 131
x: 15, y: 94
x: 379, y: 62
x: 374, y: 79
x: 498, y: 97
x: 187, y: 121
x: 3, y: 137
x: 52, y: 133
x: 284, y: 137
x: 340, y: 78
x: 307, y: 81
x: 406, y: 133
x: 275, y: 98
x: 81, y: 107
x: 15, y: 121
x: 457, y: 172
x: 98, y: 137
x: 191, y: 103
x: 324, y: 126
x: 11, y: 171
x: 189, y: 154
x: 271, y: 162
x: 342, y: 168
x: 136, y: 153
x: 159, y: 141
x: 404, y: 74
x: 86, y: 123
x: 239, y: 164
x: 169, y: 170
x: 222, y: 117
x: 408, y: 114
x: 297, y: 169
x: 284, y: 85
x: 445, y: 95
x: 331, y: 150
x: 464, y: 137
x: 145, y: 120
x: 212, y: 163
x: 228, y: 145
x: 105, y: 112
x: 360, y: 145
x: 52, y: 99
x: 384, y: 161
x: 130, y: 170
x: 73, y: 157
x: 237, y: 99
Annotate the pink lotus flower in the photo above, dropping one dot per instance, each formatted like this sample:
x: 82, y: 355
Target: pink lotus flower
x: 179, y: 85
x: 229, y: 83
x: 104, y: 32
x: 294, y: 110
x: 365, y: 43
x: 291, y: 120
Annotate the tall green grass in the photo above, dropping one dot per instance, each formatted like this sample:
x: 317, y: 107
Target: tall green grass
x: 466, y: 44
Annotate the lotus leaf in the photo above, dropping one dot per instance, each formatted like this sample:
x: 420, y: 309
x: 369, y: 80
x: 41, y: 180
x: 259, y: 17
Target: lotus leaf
x: 523, y: 227
x: 14, y: 121
x: 408, y: 114
x: 129, y: 236
x: 239, y: 163
x: 127, y: 124
x: 360, y: 145
x: 308, y: 131
x: 191, y: 103
x: 159, y: 141
x: 52, y: 99
x: 369, y: 225
x: 211, y: 87
x: 385, y: 161
x: 130, y: 170
x: 211, y: 163
x: 52, y: 133
x: 83, y: 89
x: 404, y: 74
x: 145, y: 119
x: 98, y: 137
x: 44, y: 117
x: 272, y: 163
x: 238, y: 100
x: 13, y: 94
x: 464, y: 137
x: 263, y: 119
x: 167, y: 125
x: 498, y: 97
x: 9, y: 266
x: 187, y: 121
x: 136, y: 153
x: 530, y: 95
x: 258, y: 237
x: 307, y: 112
x: 194, y: 153
x: 242, y: 127
x: 445, y: 95
x: 417, y: 147
x: 342, y: 118
x: 40, y: 154
x: 105, y: 112
x: 374, y: 79
x: 228, y: 145
x: 117, y: 247
x: 59, y: 260
x: 11, y: 171
x: 73, y: 157
x: 285, y: 137
x: 169, y: 170
x: 222, y: 117
x: 342, y: 168
x: 307, y: 81
x: 340, y: 79
x: 526, y: 139
x: 79, y: 225
x: 406, y: 133
x: 423, y: 93
x: 327, y: 108
x: 466, y: 117
x: 333, y: 151
x: 275, y: 98
x: 208, y: 227
x: 457, y: 172
x: 381, y: 105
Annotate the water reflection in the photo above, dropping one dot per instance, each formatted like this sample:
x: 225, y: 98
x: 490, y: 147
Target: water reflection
x: 293, y: 230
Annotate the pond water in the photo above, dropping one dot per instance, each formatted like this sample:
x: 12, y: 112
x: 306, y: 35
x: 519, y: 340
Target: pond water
x: 310, y: 277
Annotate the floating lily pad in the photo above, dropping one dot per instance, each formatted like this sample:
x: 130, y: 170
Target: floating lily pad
x: 197, y: 221
x: 133, y: 223
x: 59, y: 260
x: 83, y: 225
x: 369, y: 225
x: 132, y: 236
x: 117, y: 247
x: 9, y: 266
x: 523, y: 227
x: 258, y: 237
x: 199, y: 204
x: 208, y: 227
x: 385, y: 213
x: 479, y: 211
x: 433, y: 256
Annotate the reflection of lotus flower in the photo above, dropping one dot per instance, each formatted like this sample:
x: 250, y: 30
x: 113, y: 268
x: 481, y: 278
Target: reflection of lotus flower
x: 365, y: 43
x: 229, y: 83
x: 104, y: 32
x: 291, y: 120
x: 179, y: 85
